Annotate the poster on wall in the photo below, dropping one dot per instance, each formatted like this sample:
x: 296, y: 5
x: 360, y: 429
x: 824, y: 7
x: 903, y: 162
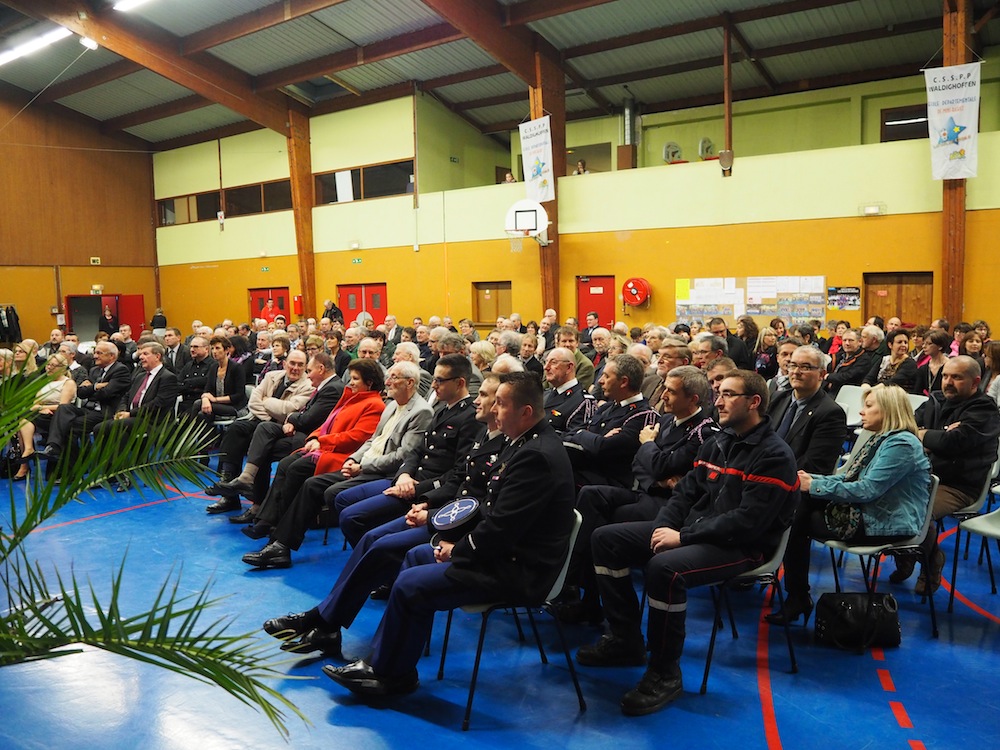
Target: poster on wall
x: 953, y: 120
x: 536, y: 159
x: 843, y: 298
x: 797, y: 299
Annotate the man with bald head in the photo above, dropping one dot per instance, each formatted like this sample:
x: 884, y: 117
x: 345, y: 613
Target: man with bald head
x: 568, y: 407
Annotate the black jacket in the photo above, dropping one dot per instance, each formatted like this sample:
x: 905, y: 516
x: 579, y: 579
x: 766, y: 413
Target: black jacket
x: 570, y: 410
x: 961, y: 456
x: 107, y: 397
x: 160, y: 397
x: 673, y: 451
x: 598, y: 459
x: 318, y: 407
x: 818, y: 434
x: 439, y: 466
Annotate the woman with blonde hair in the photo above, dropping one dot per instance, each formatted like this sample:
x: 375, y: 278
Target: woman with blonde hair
x: 483, y: 354
x: 765, y: 353
x: 61, y: 389
x: 880, y: 497
x: 24, y: 358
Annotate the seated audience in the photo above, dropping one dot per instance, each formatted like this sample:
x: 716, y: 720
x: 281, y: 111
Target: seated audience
x: 60, y: 389
x: 896, y: 367
x: 937, y: 348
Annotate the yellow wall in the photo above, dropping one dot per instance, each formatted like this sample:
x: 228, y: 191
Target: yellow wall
x: 367, y: 135
x: 185, y: 171
x: 215, y: 290
x: 443, y: 135
x: 259, y: 156
x: 259, y: 236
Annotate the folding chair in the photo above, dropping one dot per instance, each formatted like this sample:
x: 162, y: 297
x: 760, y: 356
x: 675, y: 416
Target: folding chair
x: 487, y: 609
x: 964, y: 515
x: 767, y: 575
x: 988, y: 527
x: 871, y: 555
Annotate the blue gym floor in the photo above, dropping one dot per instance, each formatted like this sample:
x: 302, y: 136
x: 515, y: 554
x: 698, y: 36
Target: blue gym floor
x: 926, y: 694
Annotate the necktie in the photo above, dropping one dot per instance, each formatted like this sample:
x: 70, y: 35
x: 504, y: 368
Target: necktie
x: 137, y: 399
x: 312, y: 397
x: 171, y: 354
x: 788, y: 419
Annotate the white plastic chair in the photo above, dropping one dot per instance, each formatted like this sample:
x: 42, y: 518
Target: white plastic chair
x: 965, y: 515
x: 850, y: 398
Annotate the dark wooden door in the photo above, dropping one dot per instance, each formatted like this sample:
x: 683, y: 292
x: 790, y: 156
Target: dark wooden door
x: 908, y: 296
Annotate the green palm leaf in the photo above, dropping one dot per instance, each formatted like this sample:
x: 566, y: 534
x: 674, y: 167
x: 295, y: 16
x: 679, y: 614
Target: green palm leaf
x: 177, y: 632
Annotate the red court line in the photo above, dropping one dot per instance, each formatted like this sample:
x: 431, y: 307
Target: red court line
x: 964, y: 600
x: 917, y: 745
x: 764, y: 687
x: 886, y: 679
x: 878, y: 654
x: 103, y: 515
x: 902, y: 717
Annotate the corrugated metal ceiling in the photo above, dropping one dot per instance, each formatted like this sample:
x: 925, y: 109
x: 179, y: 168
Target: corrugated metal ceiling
x: 354, y: 23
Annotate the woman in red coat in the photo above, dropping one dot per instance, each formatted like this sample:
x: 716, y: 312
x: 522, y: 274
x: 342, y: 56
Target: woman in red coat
x: 353, y: 420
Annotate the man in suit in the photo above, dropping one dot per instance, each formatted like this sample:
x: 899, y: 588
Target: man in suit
x: 602, y: 452
x: 568, y: 407
x: 737, y: 350
x: 393, y: 331
x: 672, y: 353
x: 814, y: 427
x: 433, y: 474
x: 176, y: 355
x: 152, y: 395
x: 376, y: 559
x: 272, y: 441
x: 397, y: 438
x: 193, y: 376
x: 600, y: 340
x: 279, y: 394
x: 666, y: 453
x: 100, y: 392
x: 853, y: 364
x: 569, y: 338
x: 780, y: 382
x: 586, y: 335
x: 514, y: 552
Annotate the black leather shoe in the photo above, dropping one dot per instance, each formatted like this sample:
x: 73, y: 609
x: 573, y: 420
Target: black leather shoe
x: 904, y: 568
x: 654, y: 691
x: 579, y: 611
x: 360, y: 678
x: 316, y: 639
x: 611, y: 651
x: 122, y: 484
x: 258, y: 530
x: 235, y: 488
x: 380, y: 594
x: 788, y: 614
x: 48, y: 453
x: 292, y: 624
x: 224, y: 506
x: 274, y: 555
x: 245, y: 517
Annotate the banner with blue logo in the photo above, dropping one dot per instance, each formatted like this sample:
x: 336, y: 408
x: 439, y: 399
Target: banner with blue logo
x: 953, y: 120
x: 536, y: 159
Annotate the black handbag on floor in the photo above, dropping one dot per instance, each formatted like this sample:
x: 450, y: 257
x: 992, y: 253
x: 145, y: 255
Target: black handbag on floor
x: 846, y: 621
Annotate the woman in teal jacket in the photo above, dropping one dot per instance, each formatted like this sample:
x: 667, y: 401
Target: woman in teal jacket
x: 881, y: 497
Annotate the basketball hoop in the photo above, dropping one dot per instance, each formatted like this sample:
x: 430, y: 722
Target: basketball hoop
x: 516, y: 237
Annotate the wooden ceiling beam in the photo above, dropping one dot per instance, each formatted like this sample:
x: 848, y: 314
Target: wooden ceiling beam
x: 748, y: 51
x: 852, y: 37
x: 108, y: 73
x: 251, y: 23
x: 696, y: 25
x: 208, y: 81
x: 988, y: 16
x: 157, y: 112
x: 463, y: 77
x: 349, y: 101
x: 369, y: 53
x: 537, y: 10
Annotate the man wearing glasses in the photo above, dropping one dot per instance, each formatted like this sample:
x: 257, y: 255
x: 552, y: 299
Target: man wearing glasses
x: 724, y: 518
x: 434, y: 472
x: 567, y: 406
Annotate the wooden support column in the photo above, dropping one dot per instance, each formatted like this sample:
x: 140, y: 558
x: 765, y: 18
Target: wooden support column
x: 547, y: 96
x: 727, y: 89
x: 957, y: 38
x: 303, y: 187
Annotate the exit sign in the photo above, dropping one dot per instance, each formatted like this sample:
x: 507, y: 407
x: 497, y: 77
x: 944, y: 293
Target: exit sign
x: 355, y: 260
x: 265, y: 269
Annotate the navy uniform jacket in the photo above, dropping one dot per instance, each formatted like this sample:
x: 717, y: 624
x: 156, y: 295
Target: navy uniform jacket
x: 607, y: 460
x: 741, y: 494
x: 818, y: 433
x: 518, y: 548
x: 159, y: 399
x: 570, y: 410
x: 438, y: 467
x: 961, y: 456
x: 106, y: 398
x: 673, y: 452
x: 479, y: 463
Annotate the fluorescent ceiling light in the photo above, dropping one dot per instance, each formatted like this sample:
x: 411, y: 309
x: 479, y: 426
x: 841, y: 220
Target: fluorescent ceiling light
x: 911, y: 121
x: 34, y: 45
x: 88, y: 42
x: 126, y: 5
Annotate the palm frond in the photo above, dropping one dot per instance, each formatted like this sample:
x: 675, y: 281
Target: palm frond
x: 176, y: 632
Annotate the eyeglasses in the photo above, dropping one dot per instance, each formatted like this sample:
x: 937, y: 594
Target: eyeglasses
x: 438, y: 381
x: 559, y: 362
x: 729, y: 395
x: 802, y: 368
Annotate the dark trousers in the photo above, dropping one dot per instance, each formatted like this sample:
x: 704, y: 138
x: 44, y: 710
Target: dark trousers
x: 293, y: 470
x: 375, y: 561
x: 269, y: 443
x: 421, y: 589
x: 236, y: 442
x: 619, y: 547
x: 809, y: 523
x: 71, y: 420
x: 364, y: 507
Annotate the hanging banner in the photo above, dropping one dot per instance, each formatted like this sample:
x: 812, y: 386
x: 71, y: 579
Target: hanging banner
x: 536, y: 160
x: 953, y: 120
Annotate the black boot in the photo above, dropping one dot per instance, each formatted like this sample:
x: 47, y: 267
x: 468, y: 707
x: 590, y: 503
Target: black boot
x: 788, y: 614
x: 657, y: 688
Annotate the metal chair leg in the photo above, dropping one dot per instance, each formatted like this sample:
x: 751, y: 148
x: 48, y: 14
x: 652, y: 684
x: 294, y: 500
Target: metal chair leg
x: 836, y: 575
x: 475, y: 670
x: 930, y: 598
x: 711, y: 642
x: 538, y: 641
x: 444, y: 644
x: 776, y: 591
x: 569, y: 663
x: 989, y: 561
x: 954, y: 567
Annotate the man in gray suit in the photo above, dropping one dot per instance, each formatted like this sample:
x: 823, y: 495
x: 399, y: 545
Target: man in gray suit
x: 399, y: 435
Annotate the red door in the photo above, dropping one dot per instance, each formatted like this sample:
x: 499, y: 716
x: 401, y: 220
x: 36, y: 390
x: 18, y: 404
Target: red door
x: 595, y: 294
x: 259, y: 298
x: 132, y: 310
x: 355, y: 299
